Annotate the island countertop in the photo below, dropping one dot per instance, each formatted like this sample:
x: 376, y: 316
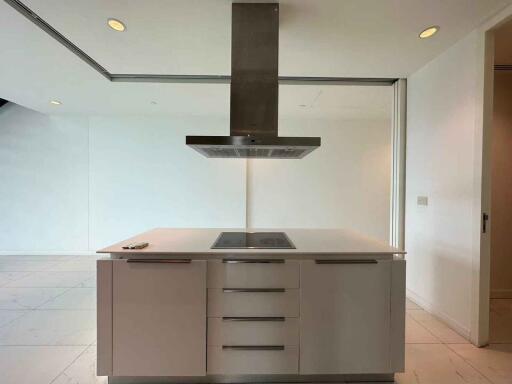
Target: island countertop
x: 172, y: 241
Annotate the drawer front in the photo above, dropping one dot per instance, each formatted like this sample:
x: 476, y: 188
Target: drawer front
x: 251, y: 331
x: 253, y: 274
x: 222, y: 303
x: 252, y: 362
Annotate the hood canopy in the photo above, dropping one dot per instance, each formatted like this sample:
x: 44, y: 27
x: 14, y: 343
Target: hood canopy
x: 254, y: 92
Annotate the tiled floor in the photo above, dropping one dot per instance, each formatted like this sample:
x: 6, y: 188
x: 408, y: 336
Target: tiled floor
x: 47, y: 331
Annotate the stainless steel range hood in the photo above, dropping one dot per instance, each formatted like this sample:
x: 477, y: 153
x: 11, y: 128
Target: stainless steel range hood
x: 254, y: 92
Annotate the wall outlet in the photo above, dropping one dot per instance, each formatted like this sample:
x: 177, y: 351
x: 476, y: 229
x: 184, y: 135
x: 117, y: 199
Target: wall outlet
x: 422, y: 200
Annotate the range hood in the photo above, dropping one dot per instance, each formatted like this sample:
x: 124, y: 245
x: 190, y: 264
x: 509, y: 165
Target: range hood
x: 254, y: 92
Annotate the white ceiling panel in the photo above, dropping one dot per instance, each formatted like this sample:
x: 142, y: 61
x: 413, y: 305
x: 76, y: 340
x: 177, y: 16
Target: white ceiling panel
x: 344, y: 38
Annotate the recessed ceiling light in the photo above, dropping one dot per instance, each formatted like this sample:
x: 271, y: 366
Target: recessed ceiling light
x: 429, y: 32
x: 116, y: 25
x: 55, y: 102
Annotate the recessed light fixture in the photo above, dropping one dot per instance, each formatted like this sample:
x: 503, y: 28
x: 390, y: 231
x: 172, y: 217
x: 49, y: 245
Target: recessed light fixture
x: 55, y: 102
x: 429, y: 32
x: 116, y: 25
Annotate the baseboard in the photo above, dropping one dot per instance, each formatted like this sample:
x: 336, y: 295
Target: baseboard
x: 48, y: 253
x: 429, y: 307
x: 501, y: 293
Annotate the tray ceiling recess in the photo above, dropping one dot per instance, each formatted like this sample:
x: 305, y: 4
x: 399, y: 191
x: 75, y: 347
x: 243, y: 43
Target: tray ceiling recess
x: 169, y: 78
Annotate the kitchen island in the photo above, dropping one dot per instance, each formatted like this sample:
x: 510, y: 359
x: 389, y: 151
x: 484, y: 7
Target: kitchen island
x: 330, y: 309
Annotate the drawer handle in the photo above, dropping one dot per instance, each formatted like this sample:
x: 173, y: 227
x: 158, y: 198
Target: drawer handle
x: 254, y: 347
x: 253, y: 261
x: 260, y: 290
x: 346, y: 261
x: 160, y: 261
x: 253, y: 319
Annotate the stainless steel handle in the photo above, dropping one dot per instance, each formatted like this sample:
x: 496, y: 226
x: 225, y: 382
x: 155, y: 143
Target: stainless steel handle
x: 254, y: 347
x: 346, y: 261
x: 276, y: 318
x: 253, y: 261
x: 262, y: 290
x: 160, y: 261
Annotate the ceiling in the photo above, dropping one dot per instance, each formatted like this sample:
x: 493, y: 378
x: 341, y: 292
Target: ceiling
x: 349, y: 38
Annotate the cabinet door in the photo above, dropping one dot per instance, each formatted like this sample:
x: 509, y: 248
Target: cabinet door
x: 345, y: 318
x: 159, y: 318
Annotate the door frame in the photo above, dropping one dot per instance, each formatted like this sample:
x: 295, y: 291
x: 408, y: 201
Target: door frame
x: 398, y: 151
x: 481, y: 261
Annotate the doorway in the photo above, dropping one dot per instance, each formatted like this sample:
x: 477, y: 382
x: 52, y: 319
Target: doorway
x: 500, y: 308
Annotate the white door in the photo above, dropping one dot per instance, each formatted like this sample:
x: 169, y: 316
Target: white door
x: 345, y: 317
x: 159, y: 318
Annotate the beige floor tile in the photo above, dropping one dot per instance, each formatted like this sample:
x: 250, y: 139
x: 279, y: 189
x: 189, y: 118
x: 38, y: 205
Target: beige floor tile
x: 16, y: 265
x: 34, y: 258
x: 51, y: 327
x: 34, y: 365
x: 6, y: 316
x: 89, y: 283
x: 81, y: 264
x: 82, y: 371
x: 75, y: 298
x: 9, y: 277
x: 494, y: 361
x: 27, y: 298
x: 51, y: 279
x: 409, y: 304
x: 500, y: 321
x: 417, y: 333
x: 436, y: 364
x: 437, y: 327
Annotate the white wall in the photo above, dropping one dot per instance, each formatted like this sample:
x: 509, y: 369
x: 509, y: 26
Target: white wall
x: 144, y: 176
x: 77, y: 184
x: 43, y: 181
x: 346, y: 183
x: 443, y: 154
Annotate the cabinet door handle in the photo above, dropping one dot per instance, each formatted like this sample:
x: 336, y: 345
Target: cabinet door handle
x: 254, y: 347
x: 160, y: 261
x: 253, y: 261
x: 277, y: 318
x: 346, y: 261
x: 259, y: 290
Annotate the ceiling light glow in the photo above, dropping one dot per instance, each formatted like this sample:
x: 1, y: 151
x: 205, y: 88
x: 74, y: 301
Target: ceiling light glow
x: 116, y: 25
x: 429, y: 32
x: 55, y: 102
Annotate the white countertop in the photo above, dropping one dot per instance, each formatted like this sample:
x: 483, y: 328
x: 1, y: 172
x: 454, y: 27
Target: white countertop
x: 307, y: 241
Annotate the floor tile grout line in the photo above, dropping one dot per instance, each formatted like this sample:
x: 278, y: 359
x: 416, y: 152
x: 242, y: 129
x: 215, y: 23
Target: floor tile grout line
x: 447, y: 345
x: 44, y: 345
x: 446, y: 325
x: 69, y: 365
x: 468, y: 362
x: 428, y: 330
x: 53, y: 298
x: 16, y: 279
x: 15, y: 319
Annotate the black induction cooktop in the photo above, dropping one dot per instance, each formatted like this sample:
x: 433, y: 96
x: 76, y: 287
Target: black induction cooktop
x: 253, y: 240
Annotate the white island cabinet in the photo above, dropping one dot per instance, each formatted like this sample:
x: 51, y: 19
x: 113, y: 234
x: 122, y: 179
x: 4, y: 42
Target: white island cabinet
x: 180, y: 312
x: 159, y: 312
x: 345, y: 316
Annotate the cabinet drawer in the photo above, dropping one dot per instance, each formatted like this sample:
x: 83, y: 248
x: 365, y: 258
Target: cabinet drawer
x: 222, y: 303
x: 253, y: 273
x: 253, y: 331
x: 233, y: 362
